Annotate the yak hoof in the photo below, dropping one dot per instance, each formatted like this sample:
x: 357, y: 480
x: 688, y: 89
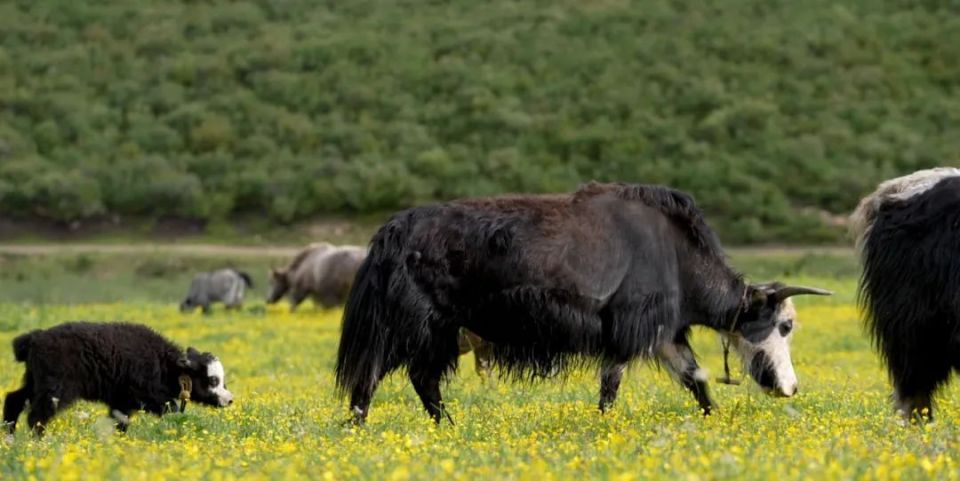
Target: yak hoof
x: 357, y: 418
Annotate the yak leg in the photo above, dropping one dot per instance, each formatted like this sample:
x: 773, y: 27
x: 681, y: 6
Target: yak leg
x: 13, y: 405
x: 483, y: 359
x: 610, y: 376
x: 916, y: 376
x: 122, y: 416
x: 426, y: 372
x: 43, y: 406
x: 680, y: 361
x: 360, y: 402
x: 916, y: 406
x: 296, y: 297
x: 362, y: 394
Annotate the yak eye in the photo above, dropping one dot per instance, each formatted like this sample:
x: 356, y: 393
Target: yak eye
x: 785, y: 328
x: 214, y: 381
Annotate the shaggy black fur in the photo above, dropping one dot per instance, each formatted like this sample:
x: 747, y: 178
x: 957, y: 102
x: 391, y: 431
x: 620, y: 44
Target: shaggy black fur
x: 610, y: 273
x: 910, y: 289
x: 127, y: 366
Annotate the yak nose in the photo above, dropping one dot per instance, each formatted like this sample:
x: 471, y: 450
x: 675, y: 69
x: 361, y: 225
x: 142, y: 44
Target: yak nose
x: 791, y: 391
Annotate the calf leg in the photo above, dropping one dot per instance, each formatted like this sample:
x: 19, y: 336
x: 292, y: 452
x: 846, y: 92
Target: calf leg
x: 13, y: 405
x: 682, y: 364
x: 610, y: 376
x: 43, y: 407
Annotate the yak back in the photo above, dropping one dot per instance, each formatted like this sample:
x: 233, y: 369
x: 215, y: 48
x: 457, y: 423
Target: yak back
x: 312, y: 250
x: 584, y: 244
x: 335, y: 272
x: 94, y: 359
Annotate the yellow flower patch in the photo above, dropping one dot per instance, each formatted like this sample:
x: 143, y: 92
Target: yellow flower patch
x: 286, y: 422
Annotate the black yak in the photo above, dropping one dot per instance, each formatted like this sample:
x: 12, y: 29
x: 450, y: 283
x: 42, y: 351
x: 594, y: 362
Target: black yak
x: 224, y: 285
x: 612, y: 272
x: 127, y: 366
x: 908, y: 234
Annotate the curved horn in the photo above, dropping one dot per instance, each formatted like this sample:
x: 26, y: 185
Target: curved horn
x: 788, y: 291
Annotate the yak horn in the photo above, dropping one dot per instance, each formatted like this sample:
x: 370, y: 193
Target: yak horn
x: 789, y: 291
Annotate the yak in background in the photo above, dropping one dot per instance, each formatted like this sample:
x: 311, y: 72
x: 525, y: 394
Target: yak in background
x: 612, y: 272
x: 908, y: 236
x: 325, y: 273
x: 321, y: 271
x: 223, y: 285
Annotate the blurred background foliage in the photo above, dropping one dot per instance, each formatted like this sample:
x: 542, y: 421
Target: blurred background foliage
x: 777, y: 116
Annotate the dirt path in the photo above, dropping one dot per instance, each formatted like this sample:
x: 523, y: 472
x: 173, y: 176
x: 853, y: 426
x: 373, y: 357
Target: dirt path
x: 286, y: 251
x: 146, y: 248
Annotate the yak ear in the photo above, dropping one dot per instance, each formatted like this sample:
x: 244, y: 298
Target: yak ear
x: 185, y: 363
x: 758, y: 295
x: 186, y: 360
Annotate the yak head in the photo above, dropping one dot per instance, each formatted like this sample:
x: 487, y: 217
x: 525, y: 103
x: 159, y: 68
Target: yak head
x: 279, y: 284
x: 188, y: 305
x: 762, y: 331
x: 208, y: 382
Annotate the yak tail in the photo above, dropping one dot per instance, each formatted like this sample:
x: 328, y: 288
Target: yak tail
x: 246, y: 278
x: 22, y: 345
x: 364, y: 349
x: 373, y: 341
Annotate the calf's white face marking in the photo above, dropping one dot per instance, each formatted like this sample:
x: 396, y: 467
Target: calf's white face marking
x: 215, y: 371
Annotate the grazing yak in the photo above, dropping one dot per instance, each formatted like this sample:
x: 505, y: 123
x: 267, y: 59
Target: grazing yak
x: 224, y: 285
x: 326, y: 272
x: 609, y: 273
x: 127, y: 366
x: 321, y: 271
x: 908, y: 236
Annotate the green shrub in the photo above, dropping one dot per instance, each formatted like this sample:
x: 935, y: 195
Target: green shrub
x: 776, y: 116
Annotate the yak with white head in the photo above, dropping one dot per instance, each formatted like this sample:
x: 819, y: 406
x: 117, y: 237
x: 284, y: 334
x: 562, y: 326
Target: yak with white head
x: 762, y: 332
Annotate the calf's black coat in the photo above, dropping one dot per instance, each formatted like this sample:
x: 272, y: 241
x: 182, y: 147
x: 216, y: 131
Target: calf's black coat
x: 127, y: 366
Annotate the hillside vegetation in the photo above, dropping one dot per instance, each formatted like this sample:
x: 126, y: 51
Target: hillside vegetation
x: 777, y: 116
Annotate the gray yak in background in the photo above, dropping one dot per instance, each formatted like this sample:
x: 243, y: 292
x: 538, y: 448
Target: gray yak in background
x: 224, y: 285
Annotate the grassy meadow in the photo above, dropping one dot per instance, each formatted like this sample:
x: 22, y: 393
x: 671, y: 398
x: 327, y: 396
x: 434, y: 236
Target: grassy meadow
x: 286, y: 420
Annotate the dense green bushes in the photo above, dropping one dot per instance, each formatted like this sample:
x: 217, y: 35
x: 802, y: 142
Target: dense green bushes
x: 773, y: 114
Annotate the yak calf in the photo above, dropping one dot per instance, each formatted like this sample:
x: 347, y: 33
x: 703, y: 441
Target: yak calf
x: 127, y: 366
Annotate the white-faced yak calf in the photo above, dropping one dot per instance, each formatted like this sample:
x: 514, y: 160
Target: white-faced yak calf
x: 127, y: 366
x: 611, y: 273
x: 908, y: 233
